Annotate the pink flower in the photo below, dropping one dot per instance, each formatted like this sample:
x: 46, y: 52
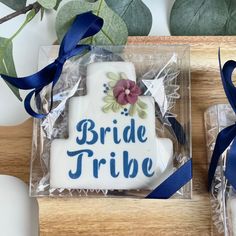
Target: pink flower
x: 126, y: 91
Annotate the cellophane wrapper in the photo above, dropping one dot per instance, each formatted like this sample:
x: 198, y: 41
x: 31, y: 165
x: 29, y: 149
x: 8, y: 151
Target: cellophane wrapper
x: 171, y: 62
x: 223, y: 196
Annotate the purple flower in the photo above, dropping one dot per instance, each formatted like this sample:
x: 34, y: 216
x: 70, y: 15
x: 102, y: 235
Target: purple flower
x: 126, y: 91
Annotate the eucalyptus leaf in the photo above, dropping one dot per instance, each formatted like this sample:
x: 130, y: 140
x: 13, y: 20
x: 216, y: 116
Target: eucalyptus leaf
x: 42, y: 11
x: 114, y: 31
x: 211, y: 17
x: 14, y: 4
x: 57, y: 4
x: 231, y: 22
x: 92, y: 1
x: 30, y: 16
x: 7, y: 66
x: 47, y: 4
x: 135, y: 14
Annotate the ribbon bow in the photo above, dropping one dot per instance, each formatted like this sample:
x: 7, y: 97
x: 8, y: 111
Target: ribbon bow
x: 227, y: 135
x: 85, y: 25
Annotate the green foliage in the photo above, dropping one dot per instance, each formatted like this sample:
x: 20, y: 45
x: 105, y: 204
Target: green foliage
x: 47, y: 4
x: 7, y: 65
x: 135, y: 14
x: 57, y: 4
x: 120, y: 17
x: 14, y: 4
x: 203, y: 17
x: 31, y: 14
x: 114, y: 31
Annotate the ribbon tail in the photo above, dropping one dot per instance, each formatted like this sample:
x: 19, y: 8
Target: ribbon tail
x: 174, y: 182
x: 178, y: 130
x: 226, y: 77
x: 37, y: 80
x: 84, y: 25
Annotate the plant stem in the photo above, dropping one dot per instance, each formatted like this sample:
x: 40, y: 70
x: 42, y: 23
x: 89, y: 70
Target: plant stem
x: 36, y: 6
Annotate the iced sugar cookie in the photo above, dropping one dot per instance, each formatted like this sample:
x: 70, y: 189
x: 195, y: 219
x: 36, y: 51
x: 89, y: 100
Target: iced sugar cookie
x: 112, y: 141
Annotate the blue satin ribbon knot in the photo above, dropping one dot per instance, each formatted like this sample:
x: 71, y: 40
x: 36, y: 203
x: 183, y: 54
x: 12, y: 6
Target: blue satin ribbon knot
x: 228, y: 135
x: 85, y: 25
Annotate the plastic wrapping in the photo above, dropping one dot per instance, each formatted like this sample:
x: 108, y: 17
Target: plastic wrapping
x: 163, y: 77
x: 223, y: 196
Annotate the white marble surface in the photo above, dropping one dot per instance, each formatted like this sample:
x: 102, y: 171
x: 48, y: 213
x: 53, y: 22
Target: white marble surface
x: 40, y: 33
x: 18, y: 212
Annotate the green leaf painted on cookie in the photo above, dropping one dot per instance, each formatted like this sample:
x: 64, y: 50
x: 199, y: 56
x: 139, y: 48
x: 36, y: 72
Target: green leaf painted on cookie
x: 106, y: 108
x: 109, y: 99
x: 132, y: 110
x: 110, y: 92
x: 113, y: 76
x: 142, y: 114
x: 123, y: 75
x: 115, y: 107
x: 141, y: 104
x: 113, y: 32
x: 112, y: 84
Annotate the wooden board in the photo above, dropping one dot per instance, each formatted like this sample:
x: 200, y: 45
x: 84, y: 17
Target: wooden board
x: 135, y: 217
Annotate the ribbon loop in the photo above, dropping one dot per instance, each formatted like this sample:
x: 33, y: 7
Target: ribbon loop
x: 227, y: 136
x: 85, y: 25
x: 89, y: 25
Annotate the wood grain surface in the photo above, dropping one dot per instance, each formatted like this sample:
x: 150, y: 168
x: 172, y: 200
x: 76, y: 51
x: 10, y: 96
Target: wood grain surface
x: 127, y: 216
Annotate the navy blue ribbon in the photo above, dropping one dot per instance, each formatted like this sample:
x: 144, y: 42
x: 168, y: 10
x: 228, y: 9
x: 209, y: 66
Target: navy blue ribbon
x: 85, y: 25
x: 178, y: 130
x: 174, y: 182
x: 227, y: 135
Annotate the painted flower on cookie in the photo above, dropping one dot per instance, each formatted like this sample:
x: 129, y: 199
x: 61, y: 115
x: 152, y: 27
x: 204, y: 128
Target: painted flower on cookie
x: 126, y: 91
x: 122, y: 95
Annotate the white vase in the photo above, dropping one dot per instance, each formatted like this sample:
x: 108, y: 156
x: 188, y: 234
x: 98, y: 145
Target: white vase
x: 160, y: 10
x: 18, y: 212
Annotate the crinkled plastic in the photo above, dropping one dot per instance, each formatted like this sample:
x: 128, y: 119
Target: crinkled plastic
x: 162, y: 72
x: 223, y: 196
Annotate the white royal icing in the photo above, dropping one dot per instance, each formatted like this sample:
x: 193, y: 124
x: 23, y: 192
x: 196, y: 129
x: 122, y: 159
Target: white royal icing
x: 128, y: 156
